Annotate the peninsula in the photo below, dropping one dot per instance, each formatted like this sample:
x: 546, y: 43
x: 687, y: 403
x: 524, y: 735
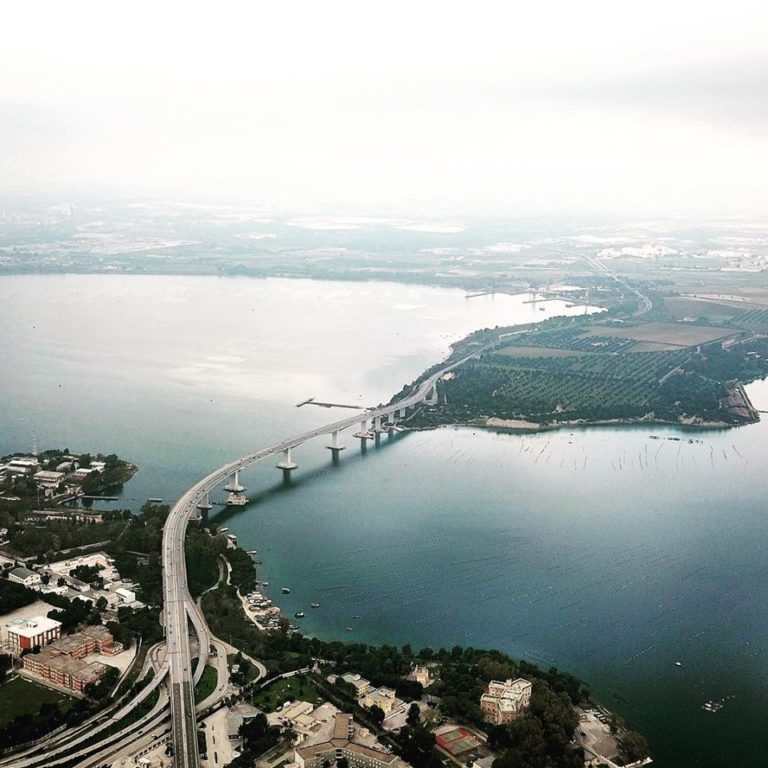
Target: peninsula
x: 661, y: 367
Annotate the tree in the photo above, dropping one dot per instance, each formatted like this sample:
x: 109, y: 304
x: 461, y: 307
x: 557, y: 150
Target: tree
x: 101, y: 603
x: 342, y: 762
x: 111, y: 462
x: 633, y: 746
x: 377, y: 714
x: 414, y: 714
x: 84, y: 460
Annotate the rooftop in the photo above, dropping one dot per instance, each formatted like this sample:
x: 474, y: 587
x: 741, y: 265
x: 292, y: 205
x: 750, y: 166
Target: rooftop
x: 25, y: 627
x: 22, y: 573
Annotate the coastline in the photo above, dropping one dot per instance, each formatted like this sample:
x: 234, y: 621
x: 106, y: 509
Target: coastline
x: 495, y: 424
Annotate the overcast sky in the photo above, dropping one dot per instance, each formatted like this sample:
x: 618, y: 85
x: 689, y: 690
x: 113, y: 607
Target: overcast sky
x: 504, y: 107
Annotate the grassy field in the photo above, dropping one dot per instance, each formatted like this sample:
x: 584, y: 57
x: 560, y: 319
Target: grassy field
x: 287, y: 689
x: 22, y: 697
x: 207, y: 683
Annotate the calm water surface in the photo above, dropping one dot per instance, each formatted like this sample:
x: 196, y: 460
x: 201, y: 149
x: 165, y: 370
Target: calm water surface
x: 610, y: 552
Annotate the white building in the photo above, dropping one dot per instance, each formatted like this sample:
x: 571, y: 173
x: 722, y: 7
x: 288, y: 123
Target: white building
x: 26, y: 465
x: 27, y: 633
x: 24, y: 576
x: 126, y: 594
x: 49, y: 479
x: 361, y: 685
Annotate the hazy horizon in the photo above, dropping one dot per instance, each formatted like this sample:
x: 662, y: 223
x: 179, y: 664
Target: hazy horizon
x: 488, y: 110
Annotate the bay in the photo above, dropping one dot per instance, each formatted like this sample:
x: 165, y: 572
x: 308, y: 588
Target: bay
x: 610, y: 552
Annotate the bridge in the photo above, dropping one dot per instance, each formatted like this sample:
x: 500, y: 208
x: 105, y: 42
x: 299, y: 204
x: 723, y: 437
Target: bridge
x: 179, y: 605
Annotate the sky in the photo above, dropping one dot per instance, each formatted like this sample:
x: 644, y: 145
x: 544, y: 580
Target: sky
x: 469, y: 108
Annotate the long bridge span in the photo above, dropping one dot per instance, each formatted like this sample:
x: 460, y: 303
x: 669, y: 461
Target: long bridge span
x: 179, y: 605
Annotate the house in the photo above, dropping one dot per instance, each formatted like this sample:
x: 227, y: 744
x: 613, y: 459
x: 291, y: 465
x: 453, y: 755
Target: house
x: 504, y: 702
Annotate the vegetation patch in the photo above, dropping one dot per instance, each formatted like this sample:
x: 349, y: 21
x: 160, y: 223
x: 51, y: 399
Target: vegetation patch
x: 295, y: 688
x: 20, y: 697
x: 206, y: 685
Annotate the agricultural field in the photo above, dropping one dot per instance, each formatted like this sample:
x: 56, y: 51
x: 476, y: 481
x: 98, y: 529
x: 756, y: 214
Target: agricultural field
x: 595, y: 369
x: 671, y: 334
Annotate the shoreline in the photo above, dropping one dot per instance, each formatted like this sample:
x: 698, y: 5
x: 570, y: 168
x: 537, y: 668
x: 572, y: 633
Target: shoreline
x: 522, y: 426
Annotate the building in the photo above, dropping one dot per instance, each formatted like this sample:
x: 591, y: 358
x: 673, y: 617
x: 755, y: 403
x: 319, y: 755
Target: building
x: 383, y: 697
x: 504, y: 702
x: 49, y: 479
x: 24, y: 634
x: 127, y: 595
x: 96, y: 639
x: 103, y: 640
x: 420, y: 674
x: 238, y: 715
x: 360, y: 684
x: 25, y: 466
x: 64, y: 670
x: 24, y: 576
x: 63, y: 662
x: 342, y: 744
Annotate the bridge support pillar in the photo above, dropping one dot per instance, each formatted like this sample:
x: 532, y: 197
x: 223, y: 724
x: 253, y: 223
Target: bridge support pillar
x: 234, y: 486
x: 364, y: 434
x: 401, y: 413
x: 335, y: 447
x: 287, y: 464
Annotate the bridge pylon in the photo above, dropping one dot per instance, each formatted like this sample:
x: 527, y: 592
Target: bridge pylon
x: 335, y: 447
x: 364, y: 434
x: 287, y: 464
x: 233, y: 486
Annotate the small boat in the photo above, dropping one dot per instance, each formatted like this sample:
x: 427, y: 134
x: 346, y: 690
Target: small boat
x: 299, y: 614
x: 286, y: 591
x: 350, y: 629
x: 678, y: 663
x: 154, y: 499
x: 236, y: 500
x: 253, y: 551
x: 314, y: 605
x: 264, y: 583
x: 355, y: 617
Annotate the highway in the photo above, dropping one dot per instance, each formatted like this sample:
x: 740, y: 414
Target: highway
x: 179, y: 605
